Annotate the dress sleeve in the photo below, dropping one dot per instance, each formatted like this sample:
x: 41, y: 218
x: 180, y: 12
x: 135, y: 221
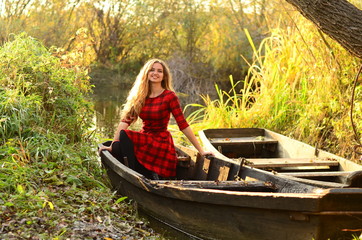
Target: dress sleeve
x: 176, y: 110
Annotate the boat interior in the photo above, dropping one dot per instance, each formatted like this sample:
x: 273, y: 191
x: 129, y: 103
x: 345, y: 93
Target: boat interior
x: 195, y: 171
x: 263, y: 149
x: 211, y: 172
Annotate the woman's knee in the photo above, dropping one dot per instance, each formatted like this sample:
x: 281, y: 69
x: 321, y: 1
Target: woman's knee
x: 123, y: 135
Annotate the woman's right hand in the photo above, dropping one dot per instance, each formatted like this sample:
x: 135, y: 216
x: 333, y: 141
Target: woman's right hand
x: 105, y: 148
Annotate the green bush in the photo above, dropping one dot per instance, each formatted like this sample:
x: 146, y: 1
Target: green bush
x: 50, y: 178
x: 40, y: 91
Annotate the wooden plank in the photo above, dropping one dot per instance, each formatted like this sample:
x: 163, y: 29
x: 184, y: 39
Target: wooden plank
x: 234, y: 171
x: 252, y: 186
x: 183, y: 161
x: 241, y: 142
x: 355, y: 179
x: 286, y: 181
x: 234, y: 132
x: 201, y: 167
x: 350, y: 178
x: 218, y: 170
x: 318, y: 174
x: 290, y: 162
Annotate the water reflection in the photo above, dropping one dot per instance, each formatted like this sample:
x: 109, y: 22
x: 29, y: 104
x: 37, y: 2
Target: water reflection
x: 168, y: 232
x: 108, y: 101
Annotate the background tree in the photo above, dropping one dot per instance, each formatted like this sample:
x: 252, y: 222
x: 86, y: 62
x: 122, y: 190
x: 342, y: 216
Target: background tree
x: 339, y: 19
x: 111, y: 25
x: 51, y: 21
x: 12, y: 16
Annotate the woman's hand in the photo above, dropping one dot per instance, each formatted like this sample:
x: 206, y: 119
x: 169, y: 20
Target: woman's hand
x: 203, y: 153
x: 191, y: 136
x: 105, y: 148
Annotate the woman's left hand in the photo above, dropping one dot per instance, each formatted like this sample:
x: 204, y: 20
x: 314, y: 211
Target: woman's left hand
x: 203, y: 153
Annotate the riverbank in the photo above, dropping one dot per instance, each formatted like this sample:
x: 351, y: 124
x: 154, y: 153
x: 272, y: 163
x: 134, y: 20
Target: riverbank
x: 52, y: 183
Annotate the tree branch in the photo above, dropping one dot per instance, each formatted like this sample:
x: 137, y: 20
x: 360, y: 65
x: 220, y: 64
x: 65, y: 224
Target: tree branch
x: 339, y: 19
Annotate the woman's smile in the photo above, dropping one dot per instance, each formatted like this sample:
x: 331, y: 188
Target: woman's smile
x: 156, y: 73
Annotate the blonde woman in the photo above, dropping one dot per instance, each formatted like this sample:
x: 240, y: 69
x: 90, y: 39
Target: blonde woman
x: 151, y: 150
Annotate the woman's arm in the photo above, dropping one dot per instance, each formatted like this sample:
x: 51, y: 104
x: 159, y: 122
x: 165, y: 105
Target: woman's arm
x: 192, y: 138
x: 121, y: 126
x: 183, y: 124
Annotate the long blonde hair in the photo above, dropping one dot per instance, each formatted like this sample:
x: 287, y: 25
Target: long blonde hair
x: 141, y: 90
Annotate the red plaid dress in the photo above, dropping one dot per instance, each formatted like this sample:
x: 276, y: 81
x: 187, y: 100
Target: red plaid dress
x: 153, y: 145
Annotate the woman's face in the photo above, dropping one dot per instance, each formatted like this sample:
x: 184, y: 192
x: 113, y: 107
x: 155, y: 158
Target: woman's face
x: 156, y: 73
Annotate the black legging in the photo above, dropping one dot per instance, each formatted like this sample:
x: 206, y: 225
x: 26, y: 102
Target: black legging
x: 124, y: 148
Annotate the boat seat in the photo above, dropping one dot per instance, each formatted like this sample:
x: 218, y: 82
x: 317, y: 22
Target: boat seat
x: 290, y: 162
x: 184, y: 161
x: 318, y: 174
x: 246, y: 147
x: 350, y: 178
x: 240, y: 141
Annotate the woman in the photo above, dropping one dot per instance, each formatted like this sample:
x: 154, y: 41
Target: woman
x: 151, y: 151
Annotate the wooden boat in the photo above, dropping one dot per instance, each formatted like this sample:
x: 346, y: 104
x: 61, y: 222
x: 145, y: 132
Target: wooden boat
x: 265, y: 149
x: 214, y: 198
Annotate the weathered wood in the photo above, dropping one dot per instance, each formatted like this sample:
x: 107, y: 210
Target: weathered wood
x: 234, y: 171
x: 252, y: 186
x: 241, y: 141
x: 218, y: 170
x: 317, y: 174
x: 187, y: 170
x: 183, y: 161
x: 355, y: 179
x: 234, y: 141
x: 207, y: 144
x: 231, y: 133
x: 289, y: 162
x: 286, y: 181
x: 202, y: 167
x: 125, y: 161
x: 182, y: 156
x: 349, y: 178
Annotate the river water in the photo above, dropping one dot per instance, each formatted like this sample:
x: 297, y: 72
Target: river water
x: 108, y: 102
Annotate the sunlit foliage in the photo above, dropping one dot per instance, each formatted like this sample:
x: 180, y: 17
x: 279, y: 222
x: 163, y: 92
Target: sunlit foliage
x: 299, y: 83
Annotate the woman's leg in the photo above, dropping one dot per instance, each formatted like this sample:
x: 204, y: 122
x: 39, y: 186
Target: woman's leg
x: 117, y: 151
x: 128, y: 151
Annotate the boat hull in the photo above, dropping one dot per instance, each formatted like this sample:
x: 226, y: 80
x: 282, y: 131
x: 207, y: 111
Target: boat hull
x: 222, y: 214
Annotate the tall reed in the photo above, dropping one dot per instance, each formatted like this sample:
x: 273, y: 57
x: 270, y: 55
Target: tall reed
x: 299, y: 84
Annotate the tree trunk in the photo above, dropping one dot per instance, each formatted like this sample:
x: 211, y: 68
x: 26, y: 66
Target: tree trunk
x: 339, y: 19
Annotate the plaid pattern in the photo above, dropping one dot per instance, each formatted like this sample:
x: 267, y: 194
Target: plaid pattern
x: 153, y: 145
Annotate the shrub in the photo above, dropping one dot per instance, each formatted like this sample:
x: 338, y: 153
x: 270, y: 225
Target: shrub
x: 39, y: 91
